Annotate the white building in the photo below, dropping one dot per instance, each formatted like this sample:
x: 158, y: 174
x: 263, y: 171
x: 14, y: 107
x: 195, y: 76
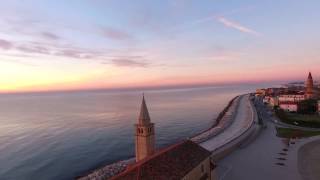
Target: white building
x: 266, y: 99
x: 289, y: 106
x: 291, y: 98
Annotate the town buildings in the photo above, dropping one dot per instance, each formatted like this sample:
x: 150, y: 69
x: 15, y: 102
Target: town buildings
x: 260, y: 92
x: 182, y: 161
x: 289, y: 98
x: 289, y: 106
x: 289, y: 102
x: 292, y: 97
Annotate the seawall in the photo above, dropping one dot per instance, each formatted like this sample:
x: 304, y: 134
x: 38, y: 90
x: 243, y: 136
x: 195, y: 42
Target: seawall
x: 244, y: 123
x: 223, y: 120
x: 233, y: 144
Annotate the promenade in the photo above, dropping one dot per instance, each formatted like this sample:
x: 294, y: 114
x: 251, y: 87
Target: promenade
x: 241, y: 122
x: 268, y: 156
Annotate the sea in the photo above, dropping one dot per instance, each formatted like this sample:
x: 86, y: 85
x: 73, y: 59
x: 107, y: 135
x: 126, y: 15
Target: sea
x: 63, y: 135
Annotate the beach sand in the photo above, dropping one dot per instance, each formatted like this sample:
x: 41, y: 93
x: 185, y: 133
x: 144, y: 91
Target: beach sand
x: 309, y: 160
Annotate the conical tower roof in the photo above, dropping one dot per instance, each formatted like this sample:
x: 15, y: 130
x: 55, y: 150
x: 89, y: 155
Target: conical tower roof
x: 309, y: 76
x: 144, y: 117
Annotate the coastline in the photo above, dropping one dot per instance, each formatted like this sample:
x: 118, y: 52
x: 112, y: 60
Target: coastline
x: 218, y: 119
x: 110, y: 170
x: 309, y: 159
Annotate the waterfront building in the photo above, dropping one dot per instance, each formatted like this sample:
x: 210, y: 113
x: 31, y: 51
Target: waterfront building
x: 260, y: 92
x: 274, y: 101
x: 144, y: 133
x: 182, y: 161
x: 289, y: 101
x: 309, y: 92
x: 289, y: 106
x: 292, y: 97
x: 270, y: 91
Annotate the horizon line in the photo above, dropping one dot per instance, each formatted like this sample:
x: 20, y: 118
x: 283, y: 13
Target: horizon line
x: 142, y: 88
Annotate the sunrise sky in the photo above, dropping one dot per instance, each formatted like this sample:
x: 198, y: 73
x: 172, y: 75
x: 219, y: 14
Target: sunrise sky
x: 74, y: 44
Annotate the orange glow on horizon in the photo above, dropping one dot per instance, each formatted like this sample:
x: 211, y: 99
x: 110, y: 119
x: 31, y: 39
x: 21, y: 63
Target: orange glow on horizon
x: 69, y: 76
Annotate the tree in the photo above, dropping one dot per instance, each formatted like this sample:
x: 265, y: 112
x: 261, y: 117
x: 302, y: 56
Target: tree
x: 308, y: 106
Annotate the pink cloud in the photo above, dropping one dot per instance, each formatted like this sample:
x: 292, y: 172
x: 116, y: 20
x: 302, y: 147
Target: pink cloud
x: 129, y: 63
x: 5, y: 44
x: 33, y: 49
x: 234, y: 25
x: 116, y: 34
x: 49, y: 35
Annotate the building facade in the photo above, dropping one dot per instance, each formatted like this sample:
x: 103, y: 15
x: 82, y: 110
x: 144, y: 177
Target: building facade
x: 297, y: 97
x: 144, y: 134
x: 260, y: 92
x: 289, y: 106
x: 274, y: 101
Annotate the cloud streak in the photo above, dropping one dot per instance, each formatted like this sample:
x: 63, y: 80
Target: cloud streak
x: 33, y: 49
x: 127, y: 62
x: 234, y: 25
x: 50, y: 36
x: 115, y: 34
x: 5, y: 45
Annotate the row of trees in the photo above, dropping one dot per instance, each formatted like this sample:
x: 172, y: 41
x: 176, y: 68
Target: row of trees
x: 309, y: 106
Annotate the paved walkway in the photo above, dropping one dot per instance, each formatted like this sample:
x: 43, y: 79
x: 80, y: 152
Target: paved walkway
x: 309, y: 160
x: 241, y: 123
x: 267, y: 157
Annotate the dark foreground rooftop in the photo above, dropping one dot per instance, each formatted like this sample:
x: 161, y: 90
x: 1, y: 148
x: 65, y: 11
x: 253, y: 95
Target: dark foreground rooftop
x: 171, y: 163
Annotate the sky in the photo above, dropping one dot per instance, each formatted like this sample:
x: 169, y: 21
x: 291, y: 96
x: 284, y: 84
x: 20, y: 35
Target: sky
x: 92, y: 44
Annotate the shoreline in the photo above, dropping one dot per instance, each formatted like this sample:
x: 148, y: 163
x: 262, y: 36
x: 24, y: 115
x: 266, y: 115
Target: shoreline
x: 109, y: 170
x: 218, y: 119
x: 309, y: 159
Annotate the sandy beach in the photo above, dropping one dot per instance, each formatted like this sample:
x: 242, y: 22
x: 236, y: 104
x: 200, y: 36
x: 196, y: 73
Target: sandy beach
x: 309, y: 160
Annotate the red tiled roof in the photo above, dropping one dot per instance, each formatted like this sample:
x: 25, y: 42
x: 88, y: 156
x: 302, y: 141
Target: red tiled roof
x: 171, y: 163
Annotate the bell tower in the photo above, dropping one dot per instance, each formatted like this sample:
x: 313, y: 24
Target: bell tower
x: 144, y: 135
x: 309, y: 87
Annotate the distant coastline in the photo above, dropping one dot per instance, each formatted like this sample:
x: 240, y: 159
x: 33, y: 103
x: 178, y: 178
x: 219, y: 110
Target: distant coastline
x: 143, y: 88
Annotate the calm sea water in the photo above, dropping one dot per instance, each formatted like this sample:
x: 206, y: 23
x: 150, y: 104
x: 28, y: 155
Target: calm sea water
x: 63, y: 135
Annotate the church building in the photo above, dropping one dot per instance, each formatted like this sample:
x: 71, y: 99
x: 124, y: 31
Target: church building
x: 309, y: 92
x: 185, y: 160
x: 144, y: 135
